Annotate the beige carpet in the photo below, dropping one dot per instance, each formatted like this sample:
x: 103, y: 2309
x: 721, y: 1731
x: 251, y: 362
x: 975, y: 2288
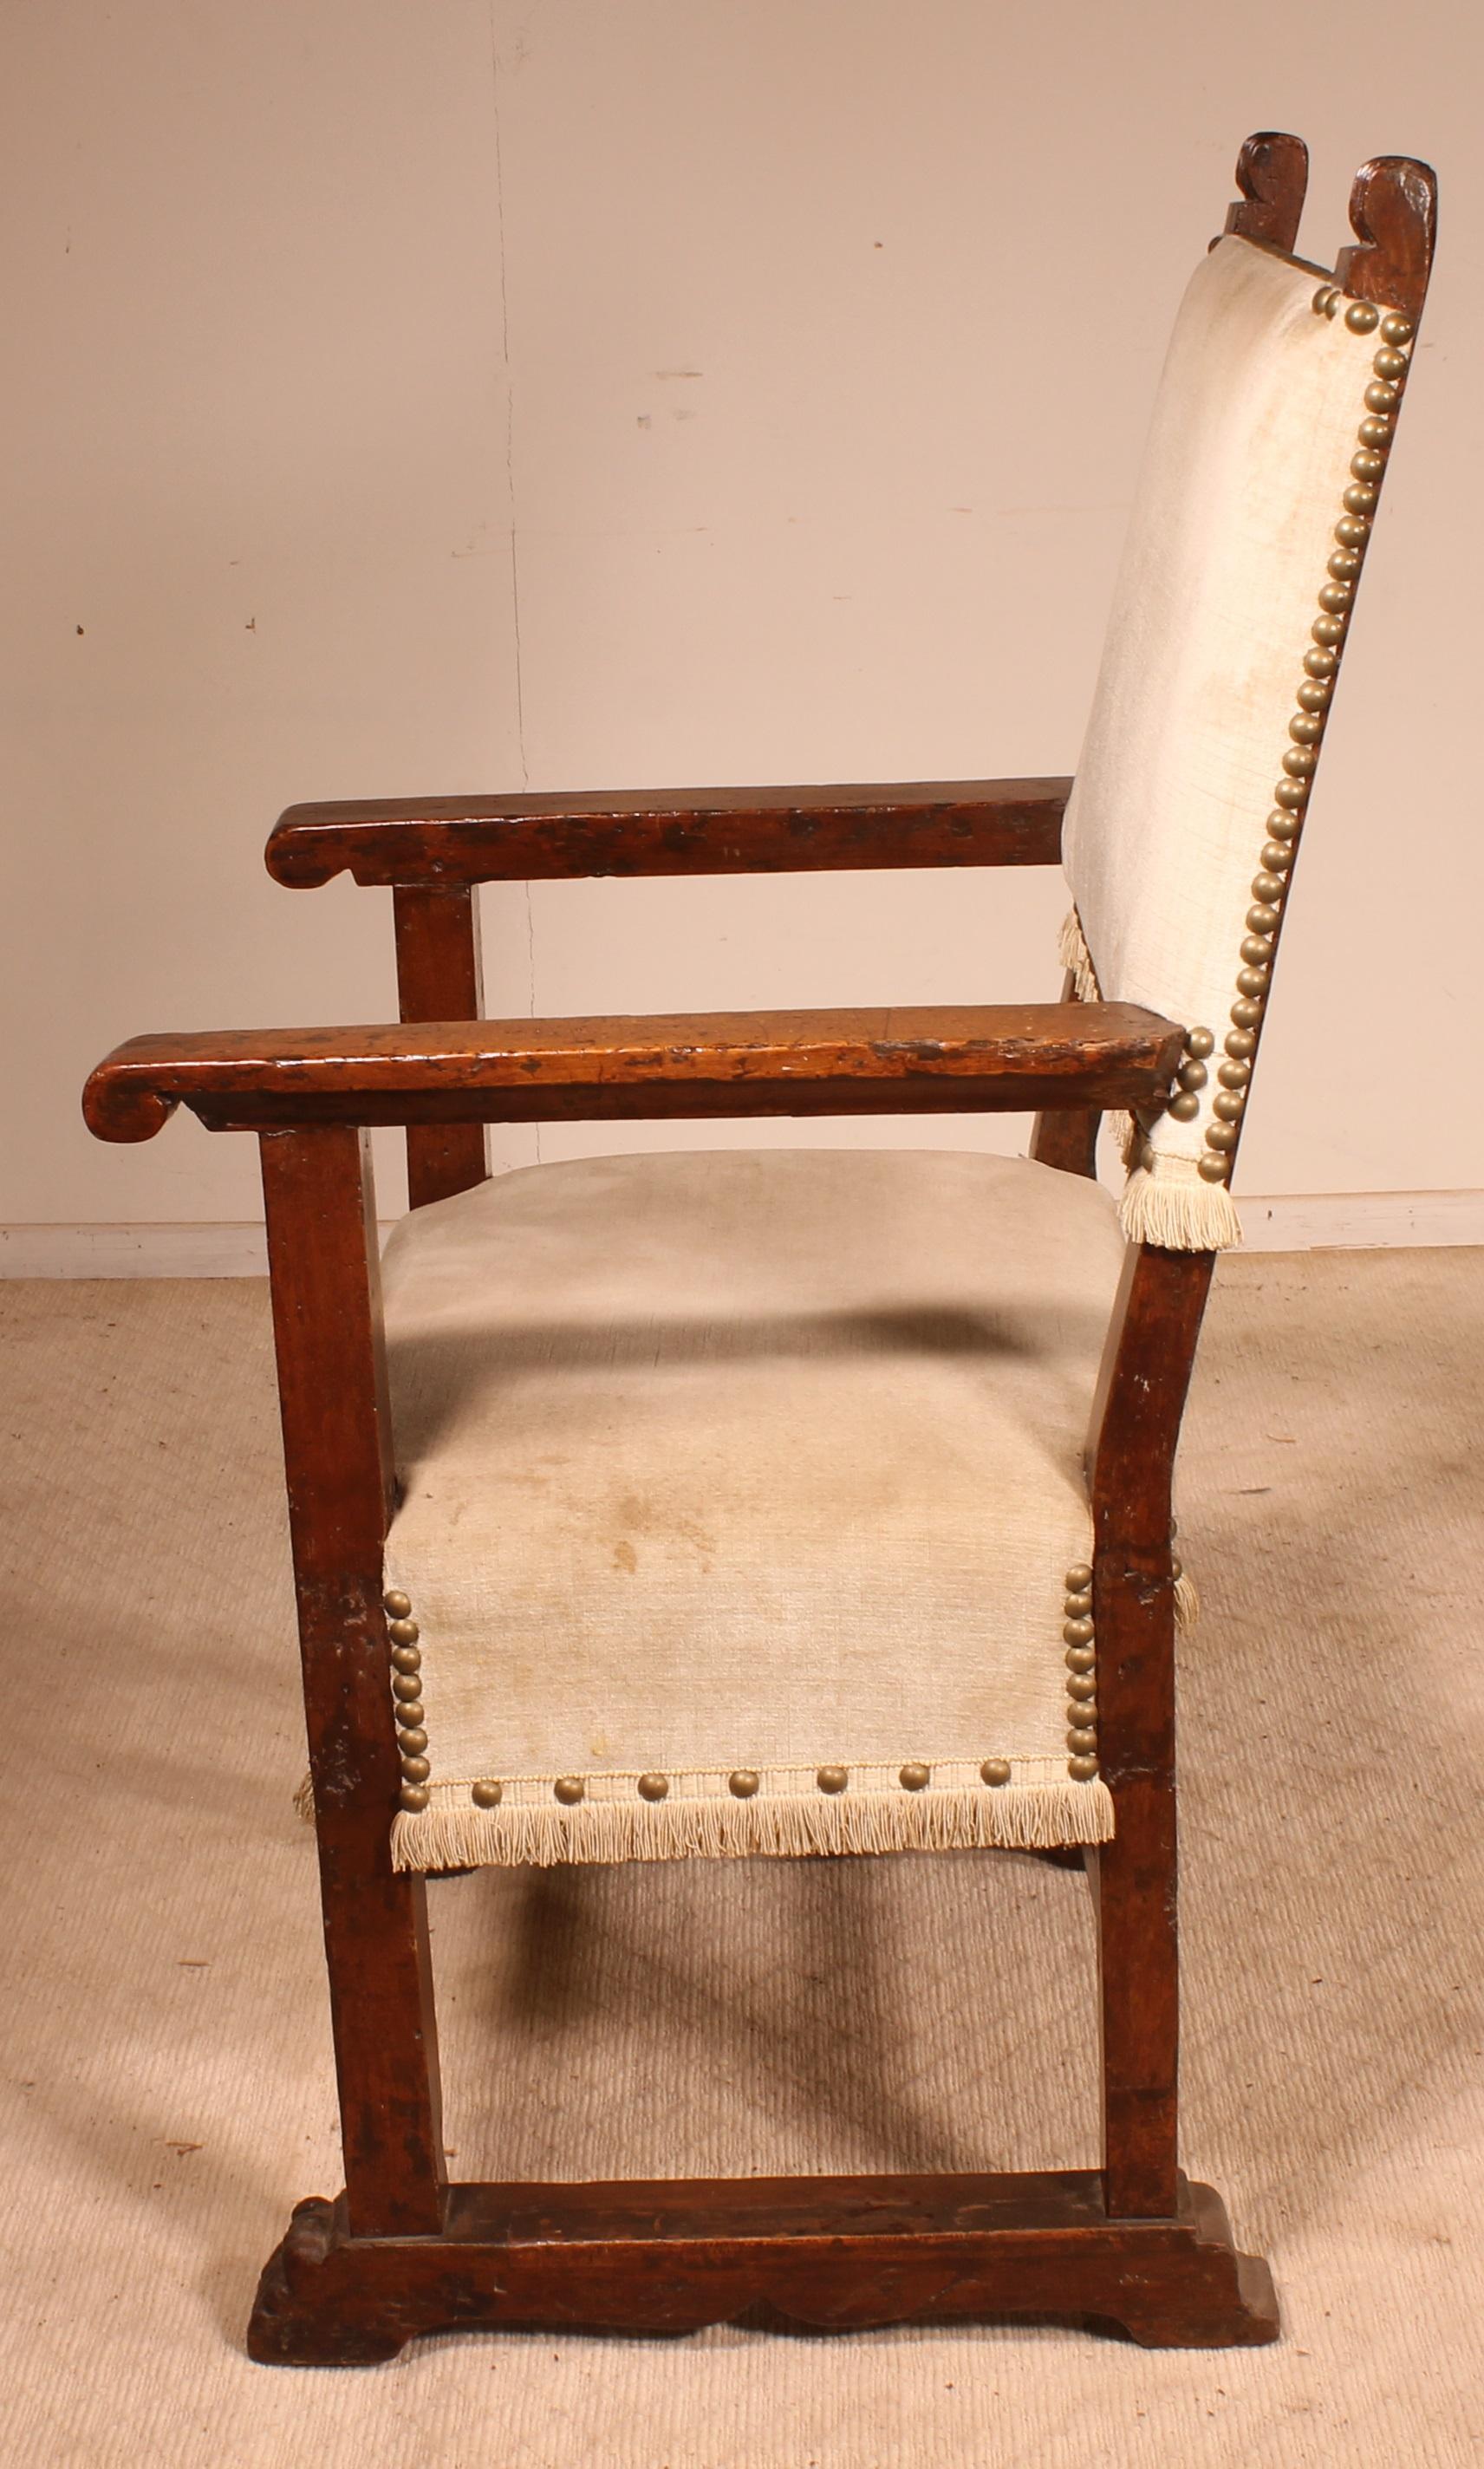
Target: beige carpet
x: 167, y: 2085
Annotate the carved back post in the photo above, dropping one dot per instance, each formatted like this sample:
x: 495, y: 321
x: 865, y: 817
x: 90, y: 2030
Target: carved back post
x: 1146, y: 1376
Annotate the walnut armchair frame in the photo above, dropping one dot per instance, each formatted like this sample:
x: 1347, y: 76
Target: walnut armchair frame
x: 402, y: 2251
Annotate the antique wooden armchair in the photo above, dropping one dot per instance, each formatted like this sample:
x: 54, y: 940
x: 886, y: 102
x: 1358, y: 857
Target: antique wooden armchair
x: 518, y: 1644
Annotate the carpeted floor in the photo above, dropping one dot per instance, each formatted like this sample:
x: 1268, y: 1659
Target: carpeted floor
x: 167, y: 2068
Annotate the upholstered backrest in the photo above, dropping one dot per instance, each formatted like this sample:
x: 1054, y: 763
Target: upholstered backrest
x: 1268, y: 441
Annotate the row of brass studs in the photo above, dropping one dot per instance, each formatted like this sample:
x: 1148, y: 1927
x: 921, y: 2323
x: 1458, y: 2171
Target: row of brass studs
x: 408, y: 1690
x: 1191, y: 1079
x: 1081, y: 1679
x: 742, y: 1784
x: 1305, y: 730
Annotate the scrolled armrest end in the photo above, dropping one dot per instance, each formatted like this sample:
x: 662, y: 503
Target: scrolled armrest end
x: 120, y: 1104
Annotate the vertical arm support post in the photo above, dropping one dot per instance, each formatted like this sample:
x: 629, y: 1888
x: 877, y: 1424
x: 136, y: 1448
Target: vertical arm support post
x: 327, y: 1329
x: 440, y: 976
x: 1136, y: 1426
x: 1068, y: 1139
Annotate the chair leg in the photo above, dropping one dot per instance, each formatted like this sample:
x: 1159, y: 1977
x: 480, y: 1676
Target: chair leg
x: 1133, y: 1879
x: 385, y: 2034
x: 321, y: 1225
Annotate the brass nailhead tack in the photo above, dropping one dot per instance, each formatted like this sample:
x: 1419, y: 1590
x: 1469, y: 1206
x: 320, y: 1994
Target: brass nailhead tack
x: 996, y: 1771
x: 652, y: 1787
x: 832, y: 1778
x: 1081, y: 1769
x: 416, y: 1770
x: 1078, y: 1579
x: 413, y: 1795
x: 486, y: 1795
x: 407, y: 1658
x: 411, y: 1739
x: 398, y: 1604
x: 1361, y: 317
x: 402, y: 1632
x: 407, y: 1685
x: 568, y: 1790
x: 743, y: 1783
x: 915, y: 1777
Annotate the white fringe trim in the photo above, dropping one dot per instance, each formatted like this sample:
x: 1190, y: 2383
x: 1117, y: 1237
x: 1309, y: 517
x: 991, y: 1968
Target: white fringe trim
x: 1074, y: 955
x: 304, y: 1798
x: 1025, y: 1816
x: 1174, y: 1208
x: 1187, y: 1602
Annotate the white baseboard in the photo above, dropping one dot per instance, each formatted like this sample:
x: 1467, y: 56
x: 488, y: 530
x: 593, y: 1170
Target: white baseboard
x: 1379, y: 1221
x: 1297, y: 1222
x: 212, y: 1251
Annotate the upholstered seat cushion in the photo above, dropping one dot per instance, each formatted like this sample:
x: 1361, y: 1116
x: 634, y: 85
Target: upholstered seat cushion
x: 731, y: 1466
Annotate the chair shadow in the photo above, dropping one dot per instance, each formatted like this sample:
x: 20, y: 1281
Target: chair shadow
x: 431, y: 1371
x: 792, y: 1985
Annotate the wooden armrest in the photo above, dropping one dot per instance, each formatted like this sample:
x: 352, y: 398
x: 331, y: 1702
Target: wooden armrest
x: 524, y: 839
x: 982, y: 1058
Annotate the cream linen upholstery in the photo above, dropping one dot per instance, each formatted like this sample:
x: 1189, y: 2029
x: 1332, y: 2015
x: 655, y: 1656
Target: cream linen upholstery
x: 1233, y: 522
x: 735, y: 1460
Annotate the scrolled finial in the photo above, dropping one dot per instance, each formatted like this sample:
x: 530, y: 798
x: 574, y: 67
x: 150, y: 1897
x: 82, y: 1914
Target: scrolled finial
x: 1394, y: 216
x: 1272, y: 173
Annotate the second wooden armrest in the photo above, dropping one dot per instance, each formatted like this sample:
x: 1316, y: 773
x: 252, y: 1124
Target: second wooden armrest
x: 527, y: 838
x: 993, y: 1058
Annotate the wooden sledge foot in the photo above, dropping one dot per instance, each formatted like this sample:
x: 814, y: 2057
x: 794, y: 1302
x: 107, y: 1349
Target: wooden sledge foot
x: 827, y: 2253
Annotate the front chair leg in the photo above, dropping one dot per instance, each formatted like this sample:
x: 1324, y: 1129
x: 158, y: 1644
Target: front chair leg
x: 322, y: 1258
x: 1133, y: 1879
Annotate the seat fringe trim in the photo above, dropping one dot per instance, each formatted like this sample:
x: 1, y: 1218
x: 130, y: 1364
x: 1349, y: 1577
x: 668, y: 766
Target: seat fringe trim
x: 1187, y: 1602
x: 1014, y: 1818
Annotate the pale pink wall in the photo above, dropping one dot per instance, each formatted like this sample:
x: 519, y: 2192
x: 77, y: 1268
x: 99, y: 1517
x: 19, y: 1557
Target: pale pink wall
x: 345, y: 343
